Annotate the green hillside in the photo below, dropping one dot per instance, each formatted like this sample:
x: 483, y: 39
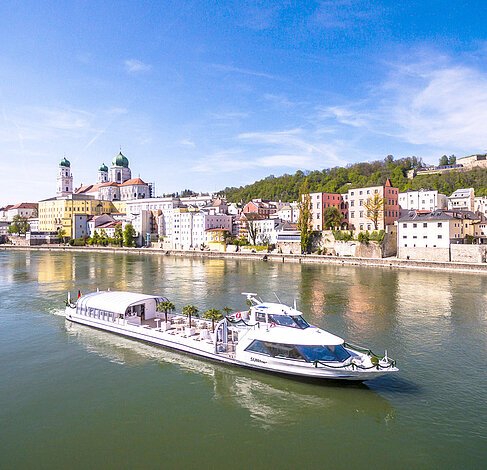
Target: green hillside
x: 340, y: 180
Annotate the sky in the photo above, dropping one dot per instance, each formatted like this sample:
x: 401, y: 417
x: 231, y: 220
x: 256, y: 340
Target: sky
x: 203, y: 95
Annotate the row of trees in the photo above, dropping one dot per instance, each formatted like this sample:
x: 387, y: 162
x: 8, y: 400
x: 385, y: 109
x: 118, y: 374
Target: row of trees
x: 190, y: 311
x: 341, y: 179
x: 121, y: 237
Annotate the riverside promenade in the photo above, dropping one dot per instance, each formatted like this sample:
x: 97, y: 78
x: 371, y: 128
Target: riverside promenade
x: 390, y: 262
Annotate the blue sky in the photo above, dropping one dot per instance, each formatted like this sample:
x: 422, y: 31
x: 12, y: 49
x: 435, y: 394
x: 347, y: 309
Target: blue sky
x: 209, y: 94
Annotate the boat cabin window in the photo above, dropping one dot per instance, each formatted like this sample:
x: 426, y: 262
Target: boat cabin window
x: 300, y: 352
x: 289, y: 320
x: 324, y: 353
x: 286, y: 351
x: 260, y: 316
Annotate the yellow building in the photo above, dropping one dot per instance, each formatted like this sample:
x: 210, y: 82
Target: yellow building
x: 59, y: 212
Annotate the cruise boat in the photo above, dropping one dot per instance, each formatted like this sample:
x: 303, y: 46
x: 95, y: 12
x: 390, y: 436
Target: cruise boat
x: 270, y: 337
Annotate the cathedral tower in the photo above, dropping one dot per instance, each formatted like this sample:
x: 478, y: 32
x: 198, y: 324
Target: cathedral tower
x: 64, y: 178
x: 103, y: 174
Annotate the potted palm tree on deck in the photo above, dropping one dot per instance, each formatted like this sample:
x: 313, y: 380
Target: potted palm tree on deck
x: 189, y: 311
x: 213, y: 314
x: 165, y: 307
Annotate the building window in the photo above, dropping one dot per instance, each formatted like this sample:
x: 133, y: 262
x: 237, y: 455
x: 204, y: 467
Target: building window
x: 404, y: 225
x: 440, y: 236
x: 415, y: 225
x: 425, y: 225
x: 440, y: 224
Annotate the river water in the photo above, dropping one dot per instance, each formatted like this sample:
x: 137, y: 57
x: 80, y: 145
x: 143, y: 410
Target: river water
x: 73, y: 397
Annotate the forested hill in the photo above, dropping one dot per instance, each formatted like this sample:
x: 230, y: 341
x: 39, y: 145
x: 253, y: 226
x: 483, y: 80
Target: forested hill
x: 340, y: 180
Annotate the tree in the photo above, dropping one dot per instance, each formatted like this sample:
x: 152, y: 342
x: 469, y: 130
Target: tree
x: 332, y: 217
x: 165, y: 307
x: 251, y: 226
x: 443, y: 160
x: 129, y: 235
x: 305, y: 224
x: 118, y: 235
x: 189, y: 310
x: 95, y: 239
x: 374, y: 206
x: 61, y: 234
x: 103, y: 237
x: 452, y: 159
x: 214, y: 315
x: 19, y: 225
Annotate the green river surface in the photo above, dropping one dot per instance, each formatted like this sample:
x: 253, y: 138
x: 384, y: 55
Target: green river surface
x: 74, y: 397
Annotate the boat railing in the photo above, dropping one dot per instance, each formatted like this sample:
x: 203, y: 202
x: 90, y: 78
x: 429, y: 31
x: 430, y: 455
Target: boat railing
x: 353, y: 365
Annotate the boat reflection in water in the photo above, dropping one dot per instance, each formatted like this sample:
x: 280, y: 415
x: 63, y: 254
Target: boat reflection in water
x: 269, y: 399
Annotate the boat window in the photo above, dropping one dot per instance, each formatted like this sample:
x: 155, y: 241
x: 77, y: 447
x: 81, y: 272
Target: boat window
x: 324, y: 353
x: 288, y: 320
x: 259, y: 316
x: 286, y: 351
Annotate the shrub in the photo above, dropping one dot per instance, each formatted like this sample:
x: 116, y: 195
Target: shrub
x: 364, y: 237
x: 377, y: 236
x: 343, y: 235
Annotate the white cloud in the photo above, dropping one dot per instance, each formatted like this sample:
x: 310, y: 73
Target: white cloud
x: 293, y: 148
x: 426, y: 104
x: 448, y: 109
x: 136, y: 66
x: 241, y: 71
x: 187, y: 143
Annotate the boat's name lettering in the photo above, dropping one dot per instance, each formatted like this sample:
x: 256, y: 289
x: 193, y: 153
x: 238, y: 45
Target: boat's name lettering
x: 254, y: 359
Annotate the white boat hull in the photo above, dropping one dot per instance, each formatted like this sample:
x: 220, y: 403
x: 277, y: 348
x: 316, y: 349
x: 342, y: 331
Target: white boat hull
x: 208, y: 350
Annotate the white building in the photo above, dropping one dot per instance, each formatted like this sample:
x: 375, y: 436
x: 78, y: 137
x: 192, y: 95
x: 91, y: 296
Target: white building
x: 104, y: 222
x: 423, y: 200
x: 114, y: 183
x: 462, y: 199
x: 268, y: 230
x: 190, y: 227
x: 23, y: 209
x: 179, y: 225
x: 430, y: 230
x: 357, y: 213
x: 480, y: 205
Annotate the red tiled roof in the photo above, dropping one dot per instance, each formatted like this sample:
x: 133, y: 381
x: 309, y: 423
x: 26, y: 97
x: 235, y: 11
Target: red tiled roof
x: 83, y: 189
x: 133, y: 181
x: 24, y: 205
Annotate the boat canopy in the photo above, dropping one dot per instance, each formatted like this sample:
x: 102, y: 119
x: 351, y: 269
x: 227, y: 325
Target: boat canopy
x: 118, y: 302
x: 275, y: 309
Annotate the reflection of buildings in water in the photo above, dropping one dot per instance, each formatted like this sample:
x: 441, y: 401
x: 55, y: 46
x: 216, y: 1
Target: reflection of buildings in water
x: 371, y: 301
x: 55, y: 267
x: 423, y: 295
x: 270, y: 400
